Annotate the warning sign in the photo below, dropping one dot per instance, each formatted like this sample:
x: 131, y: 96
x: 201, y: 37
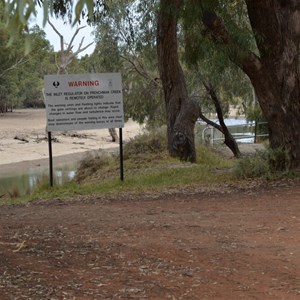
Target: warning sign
x: 84, y: 101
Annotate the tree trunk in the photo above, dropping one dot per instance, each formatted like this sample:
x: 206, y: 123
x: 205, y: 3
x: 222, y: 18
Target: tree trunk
x: 113, y: 134
x: 277, y: 83
x: 182, y: 113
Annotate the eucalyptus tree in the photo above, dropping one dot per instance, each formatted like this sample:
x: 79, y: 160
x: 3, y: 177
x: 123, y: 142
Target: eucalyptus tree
x: 21, y: 73
x: 11, y: 60
x: 40, y: 62
x: 273, y: 67
x: 182, y: 111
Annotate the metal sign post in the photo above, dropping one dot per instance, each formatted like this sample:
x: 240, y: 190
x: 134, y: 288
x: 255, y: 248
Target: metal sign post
x: 121, y: 155
x: 50, y: 158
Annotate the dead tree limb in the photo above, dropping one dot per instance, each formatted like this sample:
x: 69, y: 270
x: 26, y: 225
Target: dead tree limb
x: 67, y: 55
x: 229, y: 139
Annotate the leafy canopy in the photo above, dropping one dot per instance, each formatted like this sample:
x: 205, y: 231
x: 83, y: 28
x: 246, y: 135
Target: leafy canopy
x: 18, y: 12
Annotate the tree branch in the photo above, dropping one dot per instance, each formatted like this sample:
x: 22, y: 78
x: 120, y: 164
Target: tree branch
x: 249, y: 62
x: 60, y: 36
x: 67, y: 56
x: 142, y: 72
x: 73, y: 38
x: 79, y: 50
x: 18, y: 63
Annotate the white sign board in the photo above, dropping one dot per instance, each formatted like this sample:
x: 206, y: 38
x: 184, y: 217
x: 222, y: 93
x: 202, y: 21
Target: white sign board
x: 84, y: 101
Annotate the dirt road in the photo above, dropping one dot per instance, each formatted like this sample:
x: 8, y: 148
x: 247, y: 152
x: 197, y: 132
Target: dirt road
x: 235, y: 244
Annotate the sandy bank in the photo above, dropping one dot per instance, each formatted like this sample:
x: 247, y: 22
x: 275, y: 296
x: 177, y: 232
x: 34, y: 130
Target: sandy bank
x: 29, y: 124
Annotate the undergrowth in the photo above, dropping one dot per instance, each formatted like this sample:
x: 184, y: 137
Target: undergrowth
x: 147, y: 155
x: 148, y: 167
x: 268, y: 164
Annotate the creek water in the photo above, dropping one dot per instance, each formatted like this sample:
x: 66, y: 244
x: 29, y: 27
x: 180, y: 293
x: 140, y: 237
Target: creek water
x: 23, y: 182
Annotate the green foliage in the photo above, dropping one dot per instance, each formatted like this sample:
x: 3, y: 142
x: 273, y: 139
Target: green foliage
x: 125, y: 42
x: 253, y: 166
x: 143, y: 101
x: 269, y: 163
x: 210, y: 61
x: 154, y: 142
x: 254, y: 113
x: 18, y: 13
x: 9, y: 59
x: 106, y: 56
x: 16, y: 16
x: 279, y: 160
x: 21, y: 77
x: 208, y: 157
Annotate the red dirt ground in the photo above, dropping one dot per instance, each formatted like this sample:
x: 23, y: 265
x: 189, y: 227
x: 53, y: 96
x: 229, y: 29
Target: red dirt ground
x: 237, y: 243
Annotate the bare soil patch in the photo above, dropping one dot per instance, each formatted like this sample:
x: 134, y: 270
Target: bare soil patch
x: 236, y: 243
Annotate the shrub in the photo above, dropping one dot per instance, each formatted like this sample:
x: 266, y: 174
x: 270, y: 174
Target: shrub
x: 279, y: 160
x: 266, y: 163
x: 91, y: 164
x: 253, y: 166
x: 138, y: 152
x: 153, y: 142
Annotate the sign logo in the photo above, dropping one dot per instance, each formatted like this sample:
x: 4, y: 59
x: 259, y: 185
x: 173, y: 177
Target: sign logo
x: 56, y: 84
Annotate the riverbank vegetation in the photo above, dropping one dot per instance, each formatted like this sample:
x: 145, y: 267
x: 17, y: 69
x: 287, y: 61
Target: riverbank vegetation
x: 148, y: 168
